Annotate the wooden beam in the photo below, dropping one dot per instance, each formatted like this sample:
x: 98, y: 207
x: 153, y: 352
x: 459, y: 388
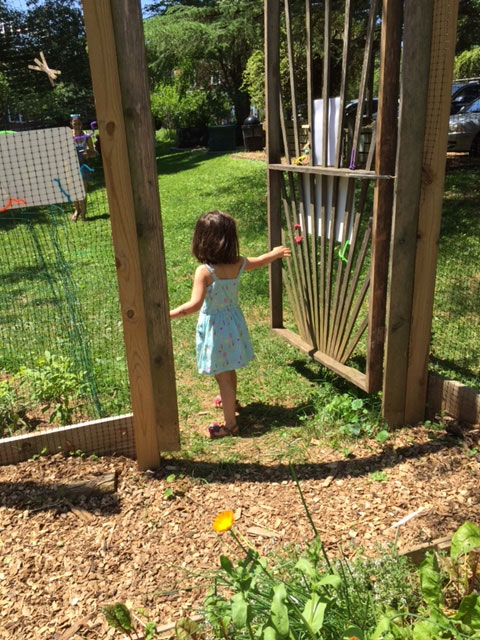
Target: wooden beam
x: 341, y: 172
x: 117, y: 61
x: 352, y: 375
x: 274, y: 145
x: 413, y: 104
x: 387, y: 123
x: 434, y: 160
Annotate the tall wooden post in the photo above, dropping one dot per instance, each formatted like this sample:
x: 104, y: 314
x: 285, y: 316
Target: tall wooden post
x: 413, y: 104
x: 274, y: 178
x: 384, y: 165
x: 117, y: 60
x: 434, y: 154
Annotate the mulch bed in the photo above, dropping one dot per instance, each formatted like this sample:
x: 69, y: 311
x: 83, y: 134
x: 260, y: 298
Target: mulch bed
x: 63, y: 560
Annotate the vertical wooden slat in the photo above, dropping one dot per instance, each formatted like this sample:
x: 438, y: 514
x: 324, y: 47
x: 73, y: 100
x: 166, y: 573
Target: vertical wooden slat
x: 326, y: 80
x: 435, y: 147
x: 123, y: 116
x: 273, y: 140
x: 392, y: 20
x: 308, y: 34
x: 343, y: 85
x: 291, y: 67
x: 415, y: 71
x: 363, y: 81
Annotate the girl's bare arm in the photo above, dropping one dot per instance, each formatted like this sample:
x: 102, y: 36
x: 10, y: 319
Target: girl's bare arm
x: 199, y: 289
x: 267, y: 258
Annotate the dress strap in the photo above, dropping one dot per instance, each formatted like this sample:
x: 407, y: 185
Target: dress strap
x: 242, y: 267
x: 212, y: 271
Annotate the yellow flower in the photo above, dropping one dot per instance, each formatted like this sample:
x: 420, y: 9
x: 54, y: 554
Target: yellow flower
x: 223, y: 522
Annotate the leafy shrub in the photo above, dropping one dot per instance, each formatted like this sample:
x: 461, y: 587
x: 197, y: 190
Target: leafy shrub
x: 350, y: 415
x: 55, y: 385
x: 12, y: 407
x: 176, y: 108
x: 467, y: 63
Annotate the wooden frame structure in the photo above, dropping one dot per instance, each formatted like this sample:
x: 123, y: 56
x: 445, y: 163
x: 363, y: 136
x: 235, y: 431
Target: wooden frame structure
x: 117, y: 59
x: 328, y: 288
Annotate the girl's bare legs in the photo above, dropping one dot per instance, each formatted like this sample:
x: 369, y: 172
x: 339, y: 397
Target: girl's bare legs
x: 227, y: 384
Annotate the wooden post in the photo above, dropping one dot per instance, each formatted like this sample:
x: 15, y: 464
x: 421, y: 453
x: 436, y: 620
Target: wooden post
x: 434, y: 160
x: 415, y: 72
x: 117, y: 60
x: 274, y: 178
x: 392, y: 19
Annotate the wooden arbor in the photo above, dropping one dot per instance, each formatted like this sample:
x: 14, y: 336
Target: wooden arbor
x: 117, y: 60
x: 337, y: 282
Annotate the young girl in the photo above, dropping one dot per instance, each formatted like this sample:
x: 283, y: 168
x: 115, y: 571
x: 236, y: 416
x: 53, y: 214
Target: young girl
x: 85, y: 150
x: 223, y: 343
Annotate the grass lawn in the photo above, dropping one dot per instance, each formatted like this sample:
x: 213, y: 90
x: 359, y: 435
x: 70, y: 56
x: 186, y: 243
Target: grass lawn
x: 283, y: 390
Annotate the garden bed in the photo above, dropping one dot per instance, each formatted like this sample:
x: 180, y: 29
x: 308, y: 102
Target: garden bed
x: 149, y: 544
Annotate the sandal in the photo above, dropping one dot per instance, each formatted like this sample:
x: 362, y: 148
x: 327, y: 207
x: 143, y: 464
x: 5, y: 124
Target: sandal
x: 218, y: 403
x: 216, y: 431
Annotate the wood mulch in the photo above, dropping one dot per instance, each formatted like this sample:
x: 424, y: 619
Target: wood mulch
x: 62, y: 560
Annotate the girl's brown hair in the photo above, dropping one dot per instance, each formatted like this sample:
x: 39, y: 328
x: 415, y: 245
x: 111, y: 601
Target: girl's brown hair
x: 215, y: 239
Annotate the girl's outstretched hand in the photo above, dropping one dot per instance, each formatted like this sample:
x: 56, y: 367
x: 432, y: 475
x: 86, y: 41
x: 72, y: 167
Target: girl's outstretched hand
x: 282, y: 252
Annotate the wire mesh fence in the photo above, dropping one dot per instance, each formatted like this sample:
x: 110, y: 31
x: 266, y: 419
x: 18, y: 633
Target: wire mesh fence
x: 60, y: 323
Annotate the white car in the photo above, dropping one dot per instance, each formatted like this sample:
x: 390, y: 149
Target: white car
x: 464, y: 130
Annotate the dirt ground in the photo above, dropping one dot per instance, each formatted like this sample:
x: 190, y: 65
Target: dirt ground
x: 63, y: 559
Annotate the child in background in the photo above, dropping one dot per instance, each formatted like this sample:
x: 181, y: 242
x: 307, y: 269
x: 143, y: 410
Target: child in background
x: 84, y: 148
x: 222, y: 340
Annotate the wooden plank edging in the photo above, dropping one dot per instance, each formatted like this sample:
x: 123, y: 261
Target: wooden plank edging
x: 107, y: 436
x: 454, y: 398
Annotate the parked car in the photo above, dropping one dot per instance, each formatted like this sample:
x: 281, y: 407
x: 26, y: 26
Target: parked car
x: 464, y: 130
x: 464, y: 94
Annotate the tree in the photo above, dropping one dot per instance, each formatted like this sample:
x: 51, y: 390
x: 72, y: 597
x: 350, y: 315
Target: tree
x: 56, y: 28
x: 209, y: 42
x: 468, y: 25
x: 467, y: 64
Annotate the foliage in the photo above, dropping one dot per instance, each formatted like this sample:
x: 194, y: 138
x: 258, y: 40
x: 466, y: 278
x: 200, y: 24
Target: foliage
x: 349, y: 415
x: 208, y: 43
x: 304, y: 595
x: 253, y: 78
x: 467, y: 64
x: 468, y: 25
x: 192, y: 108
x: 55, y: 385
x: 118, y: 617
x: 56, y: 28
x: 450, y: 592
x: 12, y: 407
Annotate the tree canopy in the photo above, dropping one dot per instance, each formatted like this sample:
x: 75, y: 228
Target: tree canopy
x: 207, y: 44
x: 54, y: 27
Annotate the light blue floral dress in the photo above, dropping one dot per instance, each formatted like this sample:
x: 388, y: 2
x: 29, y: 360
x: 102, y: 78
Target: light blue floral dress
x: 223, y: 343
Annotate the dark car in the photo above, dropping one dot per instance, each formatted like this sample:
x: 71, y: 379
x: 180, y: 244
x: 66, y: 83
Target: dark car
x: 464, y: 94
x: 464, y: 130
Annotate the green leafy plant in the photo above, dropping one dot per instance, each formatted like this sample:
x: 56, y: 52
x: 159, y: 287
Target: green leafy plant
x: 450, y: 590
x: 56, y: 386
x: 298, y: 596
x: 11, y: 407
x: 119, y: 617
x: 378, y: 476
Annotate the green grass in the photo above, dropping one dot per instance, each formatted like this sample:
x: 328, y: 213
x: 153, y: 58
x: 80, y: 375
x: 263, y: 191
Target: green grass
x: 59, y: 292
